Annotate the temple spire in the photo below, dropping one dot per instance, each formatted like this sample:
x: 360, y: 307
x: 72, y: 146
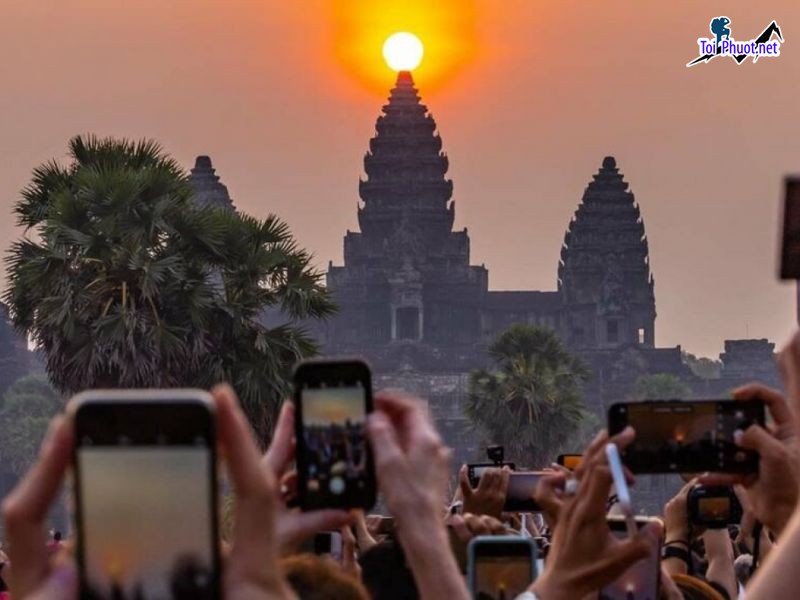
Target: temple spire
x: 605, y: 264
x: 208, y: 190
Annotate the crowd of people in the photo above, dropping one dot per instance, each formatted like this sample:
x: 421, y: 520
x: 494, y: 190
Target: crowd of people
x: 421, y: 551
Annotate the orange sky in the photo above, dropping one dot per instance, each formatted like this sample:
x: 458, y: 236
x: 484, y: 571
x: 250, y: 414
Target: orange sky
x: 528, y: 103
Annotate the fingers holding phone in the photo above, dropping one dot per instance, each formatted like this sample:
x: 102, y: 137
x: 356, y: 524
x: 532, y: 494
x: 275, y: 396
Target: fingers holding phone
x: 25, y: 512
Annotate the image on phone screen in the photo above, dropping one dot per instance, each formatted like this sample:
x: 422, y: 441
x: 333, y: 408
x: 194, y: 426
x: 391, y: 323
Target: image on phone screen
x: 687, y: 436
x: 147, y: 518
x: 501, y: 577
x: 335, y: 452
x: 714, y: 509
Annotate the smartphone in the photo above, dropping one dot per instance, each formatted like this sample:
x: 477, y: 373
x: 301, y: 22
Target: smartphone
x: 475, y: 470
x: 714, y: 507
x: 323, y: 543
x: 145, y: 494
x: 334, y: 460
x: 521, y: 487
x: 642, y: 579
x: 687, y: 436
x: 790, y: 247
x: 328, y: 542
x: 500, y: 567
x: 569, y: 461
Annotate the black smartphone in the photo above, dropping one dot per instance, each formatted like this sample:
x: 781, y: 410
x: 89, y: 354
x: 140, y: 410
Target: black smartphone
x: 569, y: 461
x: 686, y: 436
x: 475, y: 470
x: 714, y: 507
x: 642, y: 579
x: 334, y: 459
x: 500, y: 567
x: 521, y: 487
x: 145, y: 469
x: 790, y: 247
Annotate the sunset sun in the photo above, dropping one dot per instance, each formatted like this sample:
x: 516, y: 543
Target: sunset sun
x: 403, y: 51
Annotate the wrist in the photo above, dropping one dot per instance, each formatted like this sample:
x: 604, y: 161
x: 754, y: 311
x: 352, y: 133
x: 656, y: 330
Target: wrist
x: 779, y: 519
x: 677, y: 534
x: 547, y: 589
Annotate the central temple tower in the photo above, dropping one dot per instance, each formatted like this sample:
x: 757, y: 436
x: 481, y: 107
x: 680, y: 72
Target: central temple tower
x: 406, y: 288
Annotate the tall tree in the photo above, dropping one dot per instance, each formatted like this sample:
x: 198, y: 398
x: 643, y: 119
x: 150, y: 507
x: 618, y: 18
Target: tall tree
x: 531, y: 402
x: 660, y: 386
x: 27, y: 408
x: 127, y: 283
x: 705, y: 368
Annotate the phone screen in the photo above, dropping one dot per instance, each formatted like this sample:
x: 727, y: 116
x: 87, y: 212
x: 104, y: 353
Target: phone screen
x: 335, y: 463
x: 790, y: 248
x: 146, y: 512
x: 521, y: 488
x: 640, y: 581
x: 686, y: 436
x: 714, y: 508
x: 501, y: 576
x: 570, y: 461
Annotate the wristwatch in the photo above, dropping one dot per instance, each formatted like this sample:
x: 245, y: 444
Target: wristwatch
x: 528, y: 595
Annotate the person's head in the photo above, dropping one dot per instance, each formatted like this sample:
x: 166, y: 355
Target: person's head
x: 693, y: 588
x: 57, y: 536
x: 317, y: 578
x: 385, y: 573
x: 743, y: 565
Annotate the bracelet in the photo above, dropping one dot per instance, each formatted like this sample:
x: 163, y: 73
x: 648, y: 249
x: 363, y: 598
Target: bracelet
x: 678, y: 553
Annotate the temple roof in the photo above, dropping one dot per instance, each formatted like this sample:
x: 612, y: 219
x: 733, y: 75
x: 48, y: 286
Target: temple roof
x: 606, y: 237
x: 405, y: 164
x: 523, y: 301
x: 208, y: 190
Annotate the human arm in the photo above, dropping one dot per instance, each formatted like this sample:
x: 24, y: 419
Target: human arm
x: 676, y: 527
x: 411, y: 464
x: 585, y: 555
x: 719, y: 553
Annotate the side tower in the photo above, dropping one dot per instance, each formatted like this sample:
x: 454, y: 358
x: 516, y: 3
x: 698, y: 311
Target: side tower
x: 407, y: 293
x: 604, y: 278
x: 208, y: 189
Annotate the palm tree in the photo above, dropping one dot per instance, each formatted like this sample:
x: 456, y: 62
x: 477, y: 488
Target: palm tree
x: 532, y: 402
x: 127, y: 283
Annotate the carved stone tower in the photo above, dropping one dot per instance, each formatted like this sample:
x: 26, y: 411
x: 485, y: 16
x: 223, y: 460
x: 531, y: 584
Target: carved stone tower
x: 604, y: 274
x: 406, y: 279
x: 208, y: 190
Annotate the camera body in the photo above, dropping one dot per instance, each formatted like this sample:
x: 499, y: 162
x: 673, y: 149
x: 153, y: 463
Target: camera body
x: 713, y: 507
x: 496, y: 454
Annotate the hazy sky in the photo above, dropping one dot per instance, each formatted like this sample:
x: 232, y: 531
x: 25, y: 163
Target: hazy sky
x: 529, y: 96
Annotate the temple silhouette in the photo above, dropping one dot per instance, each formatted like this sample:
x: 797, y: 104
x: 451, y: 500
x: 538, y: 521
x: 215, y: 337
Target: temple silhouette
x: 423, y: 316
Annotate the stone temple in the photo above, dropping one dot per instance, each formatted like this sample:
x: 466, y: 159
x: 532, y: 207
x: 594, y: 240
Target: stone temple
x: 423, y: 316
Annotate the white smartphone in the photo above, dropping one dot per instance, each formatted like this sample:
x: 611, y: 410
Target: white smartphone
x: 623, y: 493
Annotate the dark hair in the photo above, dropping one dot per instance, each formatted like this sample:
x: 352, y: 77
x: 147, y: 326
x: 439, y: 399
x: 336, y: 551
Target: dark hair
x: 385, y: 573
x: 57, y: 536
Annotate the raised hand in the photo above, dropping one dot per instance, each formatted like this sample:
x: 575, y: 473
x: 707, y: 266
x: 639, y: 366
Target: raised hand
x: 35, y: 576
x: 294, y: 526
x: 584, y: 555
x: 411, y: 463
x: 490, y: 495
x: 773, y: 491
